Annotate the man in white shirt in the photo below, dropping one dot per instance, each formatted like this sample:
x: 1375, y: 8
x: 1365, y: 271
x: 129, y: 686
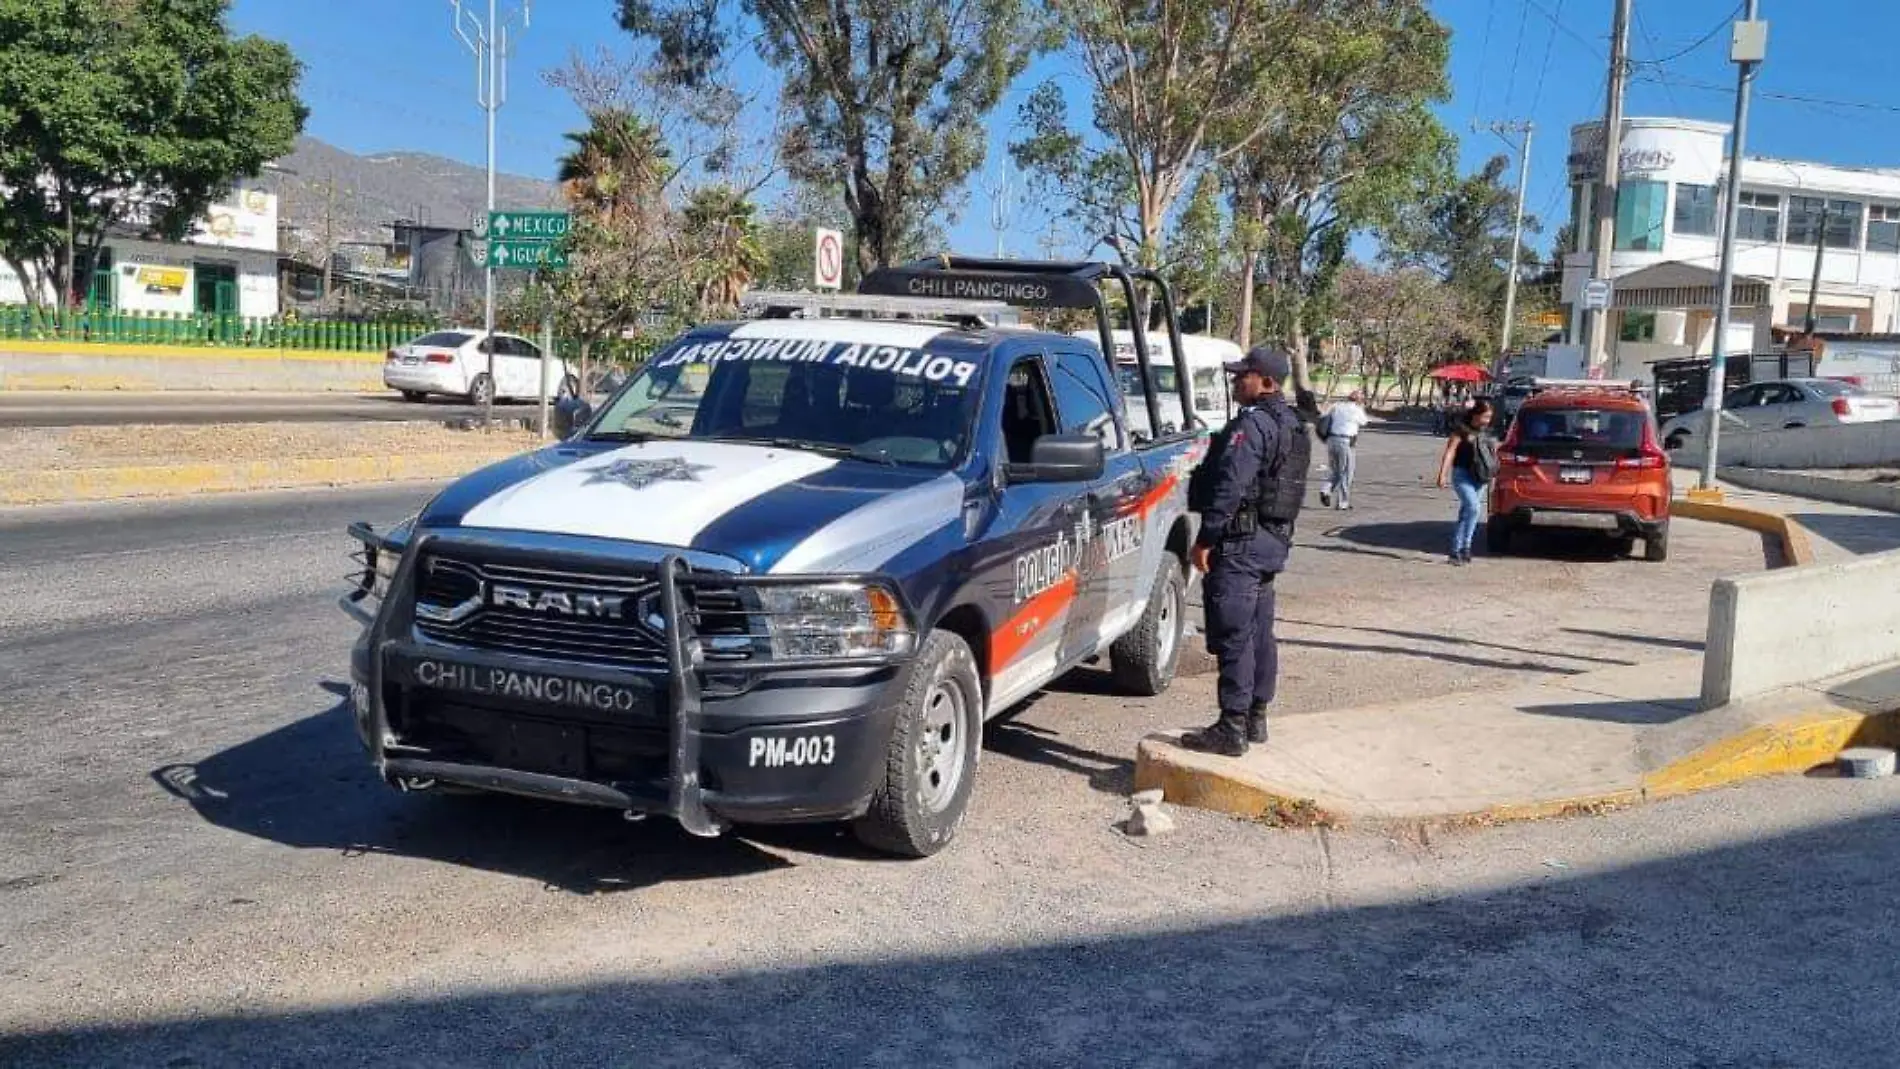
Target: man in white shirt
x: 1342, y: 424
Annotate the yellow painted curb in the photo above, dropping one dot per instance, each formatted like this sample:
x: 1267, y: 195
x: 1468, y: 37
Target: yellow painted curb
x: 1795, y: 744
x: 1711, y: 496
x: 1792, y: 745
x: 170, y: 480
x: 185, y: 352
x: 16, y: 382
x: 1796, y: 549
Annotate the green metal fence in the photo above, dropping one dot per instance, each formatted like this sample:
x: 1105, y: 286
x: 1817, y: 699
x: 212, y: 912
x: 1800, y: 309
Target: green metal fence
x: 229, y: 331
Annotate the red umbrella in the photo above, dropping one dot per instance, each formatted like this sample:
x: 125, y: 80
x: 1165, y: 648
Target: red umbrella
x: 1460, y: 373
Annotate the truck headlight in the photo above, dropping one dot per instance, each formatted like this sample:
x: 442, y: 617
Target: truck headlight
x: 386, y: 561
x: 834, y: 621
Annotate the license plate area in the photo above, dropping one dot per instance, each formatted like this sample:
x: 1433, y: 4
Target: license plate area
x: 1575, y: 475
x: 553, y: 749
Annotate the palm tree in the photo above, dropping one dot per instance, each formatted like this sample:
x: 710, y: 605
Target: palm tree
x: 722, y: 225
x: 619, y: 160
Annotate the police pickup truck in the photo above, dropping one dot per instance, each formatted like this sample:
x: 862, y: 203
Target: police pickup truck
x: 790, y: 568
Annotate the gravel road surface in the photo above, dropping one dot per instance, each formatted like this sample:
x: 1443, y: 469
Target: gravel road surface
x: 197, y: 868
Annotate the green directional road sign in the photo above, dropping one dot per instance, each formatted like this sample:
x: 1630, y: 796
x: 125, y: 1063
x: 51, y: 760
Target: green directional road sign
x: 525, y: 254
x: 527, y: 226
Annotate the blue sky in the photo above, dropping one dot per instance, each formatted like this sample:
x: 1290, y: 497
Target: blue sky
x: 386, y: 75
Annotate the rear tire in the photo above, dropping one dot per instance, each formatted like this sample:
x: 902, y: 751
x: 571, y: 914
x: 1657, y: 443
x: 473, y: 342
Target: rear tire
x: 930, y: 767
x: 1656, y: 546
x: 1143, y: 661
x: 1497, y: 537
x: 414, y: 396
x: 1676, y: 441
x: 481, y: 391
x: 1626, y: 545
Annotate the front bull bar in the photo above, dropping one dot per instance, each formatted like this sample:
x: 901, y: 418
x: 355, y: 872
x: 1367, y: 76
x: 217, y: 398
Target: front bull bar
x: 390, y: 626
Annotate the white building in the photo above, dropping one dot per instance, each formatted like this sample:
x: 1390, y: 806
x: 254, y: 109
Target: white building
x: 1666, y: 255
x: 227, y: 264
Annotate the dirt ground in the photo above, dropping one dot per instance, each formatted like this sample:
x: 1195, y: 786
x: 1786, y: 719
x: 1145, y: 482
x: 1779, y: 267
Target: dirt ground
x: 74, y: 448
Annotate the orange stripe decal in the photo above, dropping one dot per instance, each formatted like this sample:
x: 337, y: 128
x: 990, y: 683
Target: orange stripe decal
x: 1157, y: 495
x: 1008, y: 642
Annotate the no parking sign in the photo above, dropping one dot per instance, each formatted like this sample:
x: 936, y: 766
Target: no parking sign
x: 828, y: 260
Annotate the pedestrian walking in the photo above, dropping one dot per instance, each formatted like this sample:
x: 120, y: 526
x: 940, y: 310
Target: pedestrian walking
x: 1248, y: 492
x: 1340, y: 428
x: 1468, y: 464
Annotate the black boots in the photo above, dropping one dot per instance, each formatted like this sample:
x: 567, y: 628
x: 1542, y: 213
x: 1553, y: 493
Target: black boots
x: 1257, y: 723
x: 1229, y: 735
x: 1221, y: 738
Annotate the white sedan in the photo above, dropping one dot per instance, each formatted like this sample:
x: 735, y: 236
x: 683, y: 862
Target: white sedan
x: 456, y: 363
x: 1784, y: 404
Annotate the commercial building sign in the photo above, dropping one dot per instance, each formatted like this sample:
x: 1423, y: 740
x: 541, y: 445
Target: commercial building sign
x: 248, y: 220
x: 1586, y: 159
x: 169, y: 281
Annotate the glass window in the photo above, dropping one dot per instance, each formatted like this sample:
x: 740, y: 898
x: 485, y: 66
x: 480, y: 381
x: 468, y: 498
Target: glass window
x: 1084, y: 400
x: 1027, y: 413
x: 885, y: 404
x: 1804, y: 222
x: 1883, y: 228
x: 1608, y: 428
x: 1638, y: 327
x: 445, y: 339
x: 1640, y: 210
x: 1760, y: 218
x: 1695, y: 210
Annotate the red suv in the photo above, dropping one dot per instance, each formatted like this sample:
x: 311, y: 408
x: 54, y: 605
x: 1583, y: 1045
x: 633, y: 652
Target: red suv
x: 1583, y: 457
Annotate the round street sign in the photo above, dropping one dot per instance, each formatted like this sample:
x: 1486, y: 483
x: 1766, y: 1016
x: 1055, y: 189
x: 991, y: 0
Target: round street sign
x: 828, y: 268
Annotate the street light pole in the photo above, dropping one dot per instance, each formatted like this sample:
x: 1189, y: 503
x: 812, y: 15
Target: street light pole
x: 1523, y: 148
x: 1749, y: 48
x: 488, y: 41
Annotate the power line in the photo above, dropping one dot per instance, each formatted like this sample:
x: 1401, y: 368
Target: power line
x: 1595, y: 49
x: 1727, y: 20
x: 1484, y: 56
x: 1661, y: 78
x: 1517, y: 52
x: 1544, y: 68
x: 1793, y: 98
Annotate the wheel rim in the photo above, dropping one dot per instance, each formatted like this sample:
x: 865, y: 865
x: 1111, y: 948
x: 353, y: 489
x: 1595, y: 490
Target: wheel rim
x: 942, y: 746
x: 484, y: 391
x: 1170, y: 624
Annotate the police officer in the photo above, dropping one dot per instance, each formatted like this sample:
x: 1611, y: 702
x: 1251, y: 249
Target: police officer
x: 1249, y: 492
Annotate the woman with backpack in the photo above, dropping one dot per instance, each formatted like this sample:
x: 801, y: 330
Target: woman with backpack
x: 1468, y: 464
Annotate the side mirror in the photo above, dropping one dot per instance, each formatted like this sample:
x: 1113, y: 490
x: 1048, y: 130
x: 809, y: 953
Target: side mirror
x: 570, y: 415
x: 1062, y: 458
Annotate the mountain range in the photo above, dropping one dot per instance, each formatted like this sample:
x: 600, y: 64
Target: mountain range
x: 324, y: 190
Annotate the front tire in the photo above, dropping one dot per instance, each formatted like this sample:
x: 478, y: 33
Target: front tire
x: 1143, y: 661
x: 1676, y: 441
x: 930, y: 768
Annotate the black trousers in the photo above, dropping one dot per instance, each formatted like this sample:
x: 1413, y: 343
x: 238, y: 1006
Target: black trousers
x: 1239, y: 599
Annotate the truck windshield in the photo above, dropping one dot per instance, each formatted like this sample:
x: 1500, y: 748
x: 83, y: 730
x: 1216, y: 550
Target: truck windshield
x: 883, y: 403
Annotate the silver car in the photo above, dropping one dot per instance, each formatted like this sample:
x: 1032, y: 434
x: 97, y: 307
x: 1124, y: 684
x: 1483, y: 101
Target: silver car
x: 1780, y: 404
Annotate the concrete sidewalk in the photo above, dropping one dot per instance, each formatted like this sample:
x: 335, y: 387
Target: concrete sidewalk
x: 1598, y: 740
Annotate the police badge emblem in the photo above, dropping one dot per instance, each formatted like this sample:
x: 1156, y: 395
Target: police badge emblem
x: 640, y: 474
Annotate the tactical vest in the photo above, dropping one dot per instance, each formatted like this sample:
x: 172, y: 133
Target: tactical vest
x: 1281, y: 489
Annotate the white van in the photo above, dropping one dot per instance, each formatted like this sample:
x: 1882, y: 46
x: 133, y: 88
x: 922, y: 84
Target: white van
x: 1206, y: 360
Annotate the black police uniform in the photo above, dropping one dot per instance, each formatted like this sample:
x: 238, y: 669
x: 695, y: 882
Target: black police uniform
x: 1261, y: 454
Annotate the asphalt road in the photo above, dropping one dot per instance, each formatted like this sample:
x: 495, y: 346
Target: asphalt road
x: 198, y: 870
x: 58, y: 409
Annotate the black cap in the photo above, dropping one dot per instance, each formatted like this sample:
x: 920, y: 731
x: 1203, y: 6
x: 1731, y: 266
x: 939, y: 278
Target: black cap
x: 1270, y: 361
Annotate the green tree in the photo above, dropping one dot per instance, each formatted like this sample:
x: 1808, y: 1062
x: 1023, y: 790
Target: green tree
x: 1354, y: 140
x: 619, y: 159
x: 1176, y: 88
x: 890, y: 95
x: 122, y: 114
x: 722, y: 227
x: 1464, y: 237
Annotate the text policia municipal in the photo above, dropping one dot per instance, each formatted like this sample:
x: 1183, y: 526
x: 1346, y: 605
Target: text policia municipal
x: 895, y: 359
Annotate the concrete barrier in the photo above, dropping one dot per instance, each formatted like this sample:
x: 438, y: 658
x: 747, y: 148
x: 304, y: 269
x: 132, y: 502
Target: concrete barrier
x: 1797, y: 625
x: 1853, y: 445
x: 40, y: 366
x: 1860, y: 493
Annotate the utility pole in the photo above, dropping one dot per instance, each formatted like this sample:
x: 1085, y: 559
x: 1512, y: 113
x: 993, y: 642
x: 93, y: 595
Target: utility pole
x: 488, y: 40
x: 1605, y: 237
x: 329, y: 241
x: 1814, y: 284
x: 1523, y: 149
x: 1002, y: 205
x: 1746, y: 50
